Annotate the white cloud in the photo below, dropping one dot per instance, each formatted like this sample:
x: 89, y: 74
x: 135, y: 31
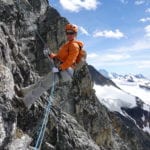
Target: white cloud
x: 144, y: 19
x: 109, y: 34
x: 147, y: 30
x: 77, y: 5
x: 147, y: 10
x: 92, y: 56
x: 139, y: 2
x: 139, y: 64
x: 145, y: 64
x: 139, y: 45
x: 116, y: 57
x: 83, y: 30
x: 107, y: 58
x: 123, y: 56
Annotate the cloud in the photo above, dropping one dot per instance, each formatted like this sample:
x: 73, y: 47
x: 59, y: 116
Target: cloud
x: 134, y: 56
x: 118, y: 62
x: 144, y: 19
x: 145, y: 64
x: 147, y: 30
x: 101, y: 60
x: 77, y: 5
x: 92, y: 56
x: 109, y: 34
x: 139, y: 2
x: 139, y: 45
x: 83, y: 30
x: 116, y: 57
x: 147, y: 10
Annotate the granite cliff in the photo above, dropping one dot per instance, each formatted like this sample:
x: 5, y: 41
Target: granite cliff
x: 77, y: 121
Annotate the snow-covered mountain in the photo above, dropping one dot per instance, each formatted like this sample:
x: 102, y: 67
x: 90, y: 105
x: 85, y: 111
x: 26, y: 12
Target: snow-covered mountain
x: 130, y: 77
x: 105, y: 73
x: 124, y: 95
x: 137, y: 85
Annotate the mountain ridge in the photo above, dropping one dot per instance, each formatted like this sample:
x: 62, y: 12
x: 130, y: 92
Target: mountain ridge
x: 78, y: 120
x: 138, y: 114
x: 116, y: 75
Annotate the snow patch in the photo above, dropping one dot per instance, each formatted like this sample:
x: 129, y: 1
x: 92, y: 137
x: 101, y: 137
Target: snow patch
x: 134, y: 89
x: 146, y: 107
x: 147, y: 128
x: 143, y: 118
x: 113, y: 98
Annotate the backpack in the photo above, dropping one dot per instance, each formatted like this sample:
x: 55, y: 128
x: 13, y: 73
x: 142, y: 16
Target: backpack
x: 82, y: 53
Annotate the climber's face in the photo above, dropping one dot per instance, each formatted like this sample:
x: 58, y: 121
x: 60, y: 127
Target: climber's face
x: 71, y: 35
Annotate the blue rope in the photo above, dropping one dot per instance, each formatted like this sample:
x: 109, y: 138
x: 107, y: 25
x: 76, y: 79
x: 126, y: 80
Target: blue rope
x: 48, y: 108
x: 45, y: 120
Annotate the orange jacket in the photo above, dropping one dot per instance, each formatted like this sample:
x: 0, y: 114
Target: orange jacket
x: 68, y: 53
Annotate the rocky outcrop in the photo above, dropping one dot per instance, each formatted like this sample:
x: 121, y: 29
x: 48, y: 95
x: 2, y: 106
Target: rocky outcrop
x: 77, y: 120
x: 98, y: 78
x: 135, y: 120
x: 23, y: 24
x: 8, y: 116
x: 128, y: 130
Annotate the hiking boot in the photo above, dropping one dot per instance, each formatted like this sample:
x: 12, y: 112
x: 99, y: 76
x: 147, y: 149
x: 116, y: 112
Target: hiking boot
x: 18, y: 91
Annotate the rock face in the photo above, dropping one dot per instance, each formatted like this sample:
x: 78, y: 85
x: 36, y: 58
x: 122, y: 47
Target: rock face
x: 77, y: 120
x: 99, y: 78
x: 135, y: 120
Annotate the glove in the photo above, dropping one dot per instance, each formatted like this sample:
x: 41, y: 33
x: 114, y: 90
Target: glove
x: 46, y: 52
x: 55, y: 70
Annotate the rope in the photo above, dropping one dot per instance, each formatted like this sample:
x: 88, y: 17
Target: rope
x: 45, y: 120
x: 40, y: 37
x: 50, y: 99
x: 47, y: 111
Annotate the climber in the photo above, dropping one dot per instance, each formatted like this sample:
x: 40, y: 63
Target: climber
x: 65, y: 64
x: 69, y: 53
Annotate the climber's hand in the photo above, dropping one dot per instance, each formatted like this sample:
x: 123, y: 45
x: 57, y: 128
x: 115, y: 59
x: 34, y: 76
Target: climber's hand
x: 52, y: 55
x: 46, y: 52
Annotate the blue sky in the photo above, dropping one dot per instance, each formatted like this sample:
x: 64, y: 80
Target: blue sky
x: 116, y: 33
